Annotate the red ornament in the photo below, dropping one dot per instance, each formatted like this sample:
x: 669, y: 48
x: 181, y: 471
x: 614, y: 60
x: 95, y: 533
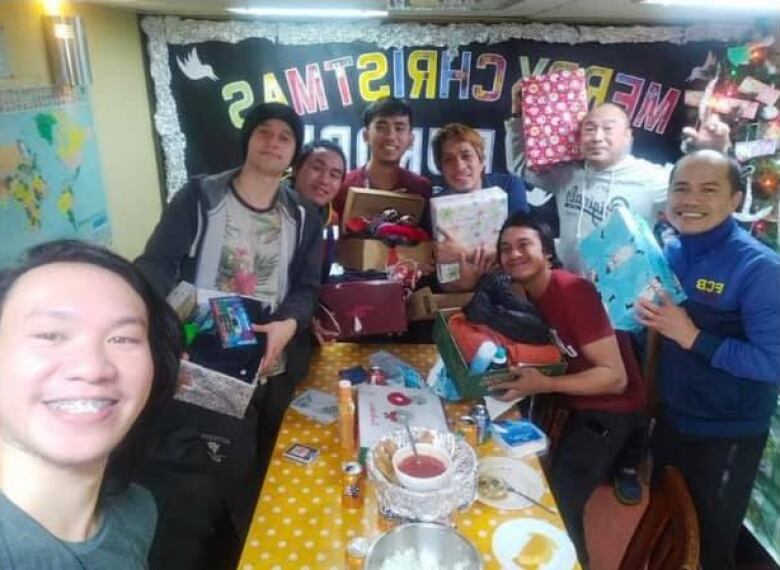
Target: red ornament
x: 398, y: 399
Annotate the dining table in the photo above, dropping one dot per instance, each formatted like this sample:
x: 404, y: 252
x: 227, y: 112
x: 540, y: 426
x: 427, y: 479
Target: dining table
x: 299, y: 521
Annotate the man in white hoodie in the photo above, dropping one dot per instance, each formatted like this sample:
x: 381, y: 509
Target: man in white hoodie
x: 587, y: 190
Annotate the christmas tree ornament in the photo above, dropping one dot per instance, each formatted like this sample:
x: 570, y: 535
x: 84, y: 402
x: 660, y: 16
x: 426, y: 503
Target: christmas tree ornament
x: 768, y: 112
x: 738, y: 55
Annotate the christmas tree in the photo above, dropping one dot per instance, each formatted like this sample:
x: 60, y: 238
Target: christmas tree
x: 742, y: 85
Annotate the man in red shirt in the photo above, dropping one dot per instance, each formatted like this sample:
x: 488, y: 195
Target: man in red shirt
x: 602, y: 386
x: 388, y: 134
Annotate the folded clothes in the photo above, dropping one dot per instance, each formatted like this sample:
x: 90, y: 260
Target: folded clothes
x: 390, y: 232
x: 470, y: 336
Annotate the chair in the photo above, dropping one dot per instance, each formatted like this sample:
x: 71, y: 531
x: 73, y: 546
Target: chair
x: 667, y: 537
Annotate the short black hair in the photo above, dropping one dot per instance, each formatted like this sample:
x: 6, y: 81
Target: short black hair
x: 733, y: 169
x: 524, y: 220
x: 165, y: 337
x: 265, y: 111
x: 387, y: 107
x: 310, y: 147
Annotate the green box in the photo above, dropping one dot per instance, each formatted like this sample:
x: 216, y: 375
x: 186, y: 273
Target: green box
x: 472, y: 385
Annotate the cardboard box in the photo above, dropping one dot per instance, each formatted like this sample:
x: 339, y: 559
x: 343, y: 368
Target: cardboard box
x: 472, y: 385
x: 364, y: 253
x: 362, y: 308
x: 424, y: 303
x: 384, y: 409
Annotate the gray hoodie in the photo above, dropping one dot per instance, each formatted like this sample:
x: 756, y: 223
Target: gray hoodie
x: 638, y: 184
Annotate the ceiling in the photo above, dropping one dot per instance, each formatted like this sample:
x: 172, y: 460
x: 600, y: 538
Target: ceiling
x: 586, y: 11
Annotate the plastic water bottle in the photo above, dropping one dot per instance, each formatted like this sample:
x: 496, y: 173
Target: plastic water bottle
x: 483, y: 357
x: 500, y: 359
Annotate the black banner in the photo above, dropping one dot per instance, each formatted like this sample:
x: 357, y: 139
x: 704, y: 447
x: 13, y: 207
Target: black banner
x: 214, y: 83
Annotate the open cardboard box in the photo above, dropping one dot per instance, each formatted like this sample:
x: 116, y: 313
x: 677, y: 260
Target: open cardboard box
x: 473, y: 385
x: 424, y: 303
x: 364, y: 253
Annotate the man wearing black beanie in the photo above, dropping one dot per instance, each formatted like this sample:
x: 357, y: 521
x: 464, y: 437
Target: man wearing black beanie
x: 244, y: 232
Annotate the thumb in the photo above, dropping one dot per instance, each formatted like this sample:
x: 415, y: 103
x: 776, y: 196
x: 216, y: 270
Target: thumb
x: 445, y: 234
x: 260, y: 328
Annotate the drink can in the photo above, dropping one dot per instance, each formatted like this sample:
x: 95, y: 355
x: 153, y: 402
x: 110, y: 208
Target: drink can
x: 352, y: 485
x: 467, y: 428
x: 482, y: 420
x: 377, y: 376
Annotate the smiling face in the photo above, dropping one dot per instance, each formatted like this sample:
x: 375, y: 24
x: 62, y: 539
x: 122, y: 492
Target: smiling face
x: 700, y: 193
x: 605, y: 138
x: 320, y: 176
x: 388, y: 138
x: 521, y: 255
x: 461, y: 166
x: 271, y: 147
x: 75, y: 363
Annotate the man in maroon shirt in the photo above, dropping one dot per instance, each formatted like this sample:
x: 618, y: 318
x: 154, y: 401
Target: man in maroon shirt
x: 388, y: 134
x: 602, y: 386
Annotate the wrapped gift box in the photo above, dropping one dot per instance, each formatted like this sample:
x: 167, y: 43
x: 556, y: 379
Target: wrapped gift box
x: 472, y: 218
x: 360, y: 308
x: 553, y: 108
x: 366, y: 253
x: 624, y: 262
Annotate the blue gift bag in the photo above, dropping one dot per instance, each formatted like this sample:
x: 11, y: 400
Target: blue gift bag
x: 624, y: 262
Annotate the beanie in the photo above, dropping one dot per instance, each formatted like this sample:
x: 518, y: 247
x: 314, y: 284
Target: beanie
x: 265, y: 111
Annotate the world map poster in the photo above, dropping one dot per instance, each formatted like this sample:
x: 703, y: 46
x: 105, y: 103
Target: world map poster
x: 50, y: 180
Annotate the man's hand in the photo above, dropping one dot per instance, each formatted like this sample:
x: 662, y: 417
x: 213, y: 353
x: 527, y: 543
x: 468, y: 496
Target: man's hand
x: 279, y: 334
x: 668, y: 319
x: 517, y: 97
x: 450, y: 250
x: 712, y: 134
x: 471, y: 271
x: 527, y: 382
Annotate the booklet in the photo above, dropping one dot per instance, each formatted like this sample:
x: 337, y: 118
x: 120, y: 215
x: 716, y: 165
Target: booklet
x: 317, y: 405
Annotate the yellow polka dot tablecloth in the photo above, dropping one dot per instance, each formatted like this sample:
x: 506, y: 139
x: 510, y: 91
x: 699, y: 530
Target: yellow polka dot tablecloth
x: 299, y: 522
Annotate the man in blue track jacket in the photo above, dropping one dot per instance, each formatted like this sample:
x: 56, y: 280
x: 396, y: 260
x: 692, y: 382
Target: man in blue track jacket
x: 719, y: 363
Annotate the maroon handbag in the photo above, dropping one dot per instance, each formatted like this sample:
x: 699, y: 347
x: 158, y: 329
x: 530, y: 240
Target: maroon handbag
x: 360, y: 308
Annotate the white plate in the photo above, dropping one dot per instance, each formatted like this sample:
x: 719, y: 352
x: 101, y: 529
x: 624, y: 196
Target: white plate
x: 519, y: 475
x: 510, y: 538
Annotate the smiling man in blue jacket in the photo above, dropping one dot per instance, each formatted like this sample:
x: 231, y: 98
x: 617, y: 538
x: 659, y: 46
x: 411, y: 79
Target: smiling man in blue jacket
x: 720, y: 354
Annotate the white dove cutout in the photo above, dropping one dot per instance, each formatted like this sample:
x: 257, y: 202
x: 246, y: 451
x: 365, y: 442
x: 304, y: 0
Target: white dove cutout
x: 705, y: 70
x: 194, y: 69
x: 538, y: 197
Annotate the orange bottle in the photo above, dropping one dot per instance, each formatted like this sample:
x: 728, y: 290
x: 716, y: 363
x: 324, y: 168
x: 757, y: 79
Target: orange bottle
x: 346, y: 420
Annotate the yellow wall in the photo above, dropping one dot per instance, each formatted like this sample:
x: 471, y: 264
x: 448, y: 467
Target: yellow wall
x: 120, y: 107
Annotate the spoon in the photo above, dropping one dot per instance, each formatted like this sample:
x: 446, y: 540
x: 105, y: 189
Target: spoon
x: 496, y: 488
x: 411, y: 440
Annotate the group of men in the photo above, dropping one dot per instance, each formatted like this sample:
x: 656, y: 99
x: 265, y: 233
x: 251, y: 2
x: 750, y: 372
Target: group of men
x: 254, y: 231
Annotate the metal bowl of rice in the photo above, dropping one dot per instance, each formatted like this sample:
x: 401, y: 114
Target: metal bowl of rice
x: 423, y: 546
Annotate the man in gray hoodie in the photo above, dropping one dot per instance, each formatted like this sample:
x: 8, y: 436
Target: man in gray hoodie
x: 587, y: 190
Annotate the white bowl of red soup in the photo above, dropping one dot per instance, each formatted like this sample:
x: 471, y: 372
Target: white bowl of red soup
x: 428, y: 470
